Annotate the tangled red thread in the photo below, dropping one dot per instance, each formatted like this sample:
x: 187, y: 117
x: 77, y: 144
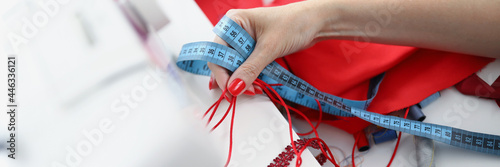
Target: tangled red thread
x: 275, y: 97
x: 297, y: 147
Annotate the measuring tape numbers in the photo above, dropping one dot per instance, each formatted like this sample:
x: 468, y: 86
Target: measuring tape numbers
x: 194, y: 57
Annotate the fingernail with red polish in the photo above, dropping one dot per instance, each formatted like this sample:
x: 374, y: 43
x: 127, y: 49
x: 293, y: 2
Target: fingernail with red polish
x: 247, y: 92
x: 210, y: 83
x: 236, y: 87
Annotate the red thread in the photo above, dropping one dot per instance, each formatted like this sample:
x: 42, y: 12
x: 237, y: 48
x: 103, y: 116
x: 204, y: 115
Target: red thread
x: 275, y: 97
x: 233, y: 102
x: 216, y: 105
x: 266, y: 87
x: 353, y: 150
x: 278, y: 84
x: 319, y: 120
x: 397, y: 143
x: 223, y: 117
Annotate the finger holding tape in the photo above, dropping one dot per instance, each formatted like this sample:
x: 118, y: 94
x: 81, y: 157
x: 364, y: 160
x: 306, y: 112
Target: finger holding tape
x: 238, y: 83
x: 221, y: 74
x: 276, y: 34
x: 244, y: 75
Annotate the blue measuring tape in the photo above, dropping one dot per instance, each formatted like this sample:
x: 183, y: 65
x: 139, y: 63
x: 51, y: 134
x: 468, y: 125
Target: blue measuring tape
x: 194, y: 57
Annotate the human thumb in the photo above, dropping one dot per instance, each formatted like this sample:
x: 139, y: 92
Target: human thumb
x: 244, y: 75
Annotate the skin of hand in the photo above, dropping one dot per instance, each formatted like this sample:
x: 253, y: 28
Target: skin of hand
x: 461, y: 26
x: 279, y: 31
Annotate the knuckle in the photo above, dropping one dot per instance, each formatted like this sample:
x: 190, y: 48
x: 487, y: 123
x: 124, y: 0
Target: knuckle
x: 210, y: 65
x: 233, y: 12
x: 269, y: 50
x: 250, y: 69
x: 238, y: 15
x: 243, y: 17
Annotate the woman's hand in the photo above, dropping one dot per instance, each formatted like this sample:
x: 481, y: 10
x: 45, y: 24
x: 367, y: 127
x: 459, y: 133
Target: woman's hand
x: 278, y: 31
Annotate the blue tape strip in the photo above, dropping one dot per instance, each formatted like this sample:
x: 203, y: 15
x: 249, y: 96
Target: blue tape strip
x: 193, y: 58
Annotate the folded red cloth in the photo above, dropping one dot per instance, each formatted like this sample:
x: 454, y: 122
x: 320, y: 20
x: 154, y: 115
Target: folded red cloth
x: 344, y: 69
x: 475, y: 86
x: 419, y: 74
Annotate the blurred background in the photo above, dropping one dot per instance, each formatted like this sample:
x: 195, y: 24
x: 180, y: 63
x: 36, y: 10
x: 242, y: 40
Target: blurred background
x: 97, y: 85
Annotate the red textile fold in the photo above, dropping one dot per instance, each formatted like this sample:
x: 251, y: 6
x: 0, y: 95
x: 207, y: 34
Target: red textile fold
x: 475, y: 86
x: 344, y: 68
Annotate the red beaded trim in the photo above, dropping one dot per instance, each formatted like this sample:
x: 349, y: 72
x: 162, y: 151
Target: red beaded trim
x: 284, y: 158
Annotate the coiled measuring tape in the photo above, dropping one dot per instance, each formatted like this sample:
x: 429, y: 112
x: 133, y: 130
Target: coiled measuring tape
x: 194, y: 57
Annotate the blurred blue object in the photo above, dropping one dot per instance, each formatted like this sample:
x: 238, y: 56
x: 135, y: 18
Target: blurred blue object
x: 415, y: 113
x: 384, y: 135
x: 429, y: 100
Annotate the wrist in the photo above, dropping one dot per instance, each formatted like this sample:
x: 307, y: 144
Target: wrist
x: 337, y: 19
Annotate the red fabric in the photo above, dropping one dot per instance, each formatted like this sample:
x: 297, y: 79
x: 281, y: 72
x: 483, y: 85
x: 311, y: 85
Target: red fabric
x: 344, y: 68
x: 216, y: 9
x: 475, y: 86
x: 408, y: 82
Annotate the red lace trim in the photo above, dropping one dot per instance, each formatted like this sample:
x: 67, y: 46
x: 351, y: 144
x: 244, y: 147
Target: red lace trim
x: 285, y: 157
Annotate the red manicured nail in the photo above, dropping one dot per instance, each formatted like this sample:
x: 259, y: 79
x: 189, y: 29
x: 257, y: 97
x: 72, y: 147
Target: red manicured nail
x: 236, y: 87
x: 247, y: 92
x: 258, y: 91
x: 210, y: 83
